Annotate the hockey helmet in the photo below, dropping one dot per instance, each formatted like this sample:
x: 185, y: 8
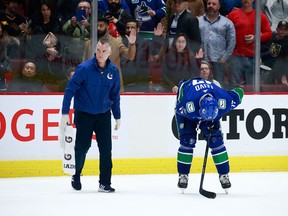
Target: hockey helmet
x: 208, y: 108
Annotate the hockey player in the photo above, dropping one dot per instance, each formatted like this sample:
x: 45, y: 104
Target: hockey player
x: 201, y: 104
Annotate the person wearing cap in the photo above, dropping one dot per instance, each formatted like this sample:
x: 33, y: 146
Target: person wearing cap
x: 274, y: 54
x: 118, y: 48
x: 201, y: 104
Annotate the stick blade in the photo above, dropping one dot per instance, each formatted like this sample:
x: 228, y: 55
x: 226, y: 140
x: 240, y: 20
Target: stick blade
x: 207, y: 194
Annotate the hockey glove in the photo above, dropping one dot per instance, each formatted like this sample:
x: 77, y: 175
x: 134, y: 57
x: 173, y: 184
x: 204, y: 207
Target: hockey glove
x: 209, y: 127
x: 63, y: 123
x: 240, y: 93
x: 117, y: 125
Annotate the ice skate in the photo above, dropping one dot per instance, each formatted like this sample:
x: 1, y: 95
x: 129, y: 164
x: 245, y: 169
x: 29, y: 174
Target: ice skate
x: 183, y: 182
x: 225, y: 182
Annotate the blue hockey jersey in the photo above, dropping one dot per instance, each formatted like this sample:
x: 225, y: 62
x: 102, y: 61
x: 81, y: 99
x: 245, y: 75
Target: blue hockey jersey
x: 192, y: 91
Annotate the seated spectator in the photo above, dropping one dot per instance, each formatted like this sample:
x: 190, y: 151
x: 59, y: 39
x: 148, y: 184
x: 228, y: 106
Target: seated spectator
x: 9, y: 47
x: 27, y: 81
x: 178, y: 64
x: 149, y: 13
x: 47, y: 21
x: 63, y: 83
x: 40, y: 28
x: 207, y: 73
x: 79, y: 26
x: 77, y: 30
x: 117, y: 17
x: 275, y: 55
x: 17, y: 24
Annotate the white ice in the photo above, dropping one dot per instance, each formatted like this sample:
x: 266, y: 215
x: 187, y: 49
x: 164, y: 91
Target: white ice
x: 263, y: 194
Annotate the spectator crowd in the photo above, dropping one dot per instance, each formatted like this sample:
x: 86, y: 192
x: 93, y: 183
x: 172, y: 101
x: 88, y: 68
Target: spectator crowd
x: 155, y: 43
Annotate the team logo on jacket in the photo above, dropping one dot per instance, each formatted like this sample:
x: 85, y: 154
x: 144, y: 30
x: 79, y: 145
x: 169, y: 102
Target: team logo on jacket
x: 222, y: 104
x: 275, y: 49
x: 190, y: 107
x: 109, y: 76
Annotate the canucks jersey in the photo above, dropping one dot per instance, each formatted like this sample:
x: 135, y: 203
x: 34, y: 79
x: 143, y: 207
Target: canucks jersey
x: 191, y: 92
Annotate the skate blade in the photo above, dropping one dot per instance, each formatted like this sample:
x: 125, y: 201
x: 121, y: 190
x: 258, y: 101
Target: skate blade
x: 226, y: 190
x: 182, y: 190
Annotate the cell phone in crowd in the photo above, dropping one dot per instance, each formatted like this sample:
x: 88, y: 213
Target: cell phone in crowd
x: 80, y: 13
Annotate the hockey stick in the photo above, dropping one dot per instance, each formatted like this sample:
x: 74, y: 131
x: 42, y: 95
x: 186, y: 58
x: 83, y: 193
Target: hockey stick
x: 208, y: 194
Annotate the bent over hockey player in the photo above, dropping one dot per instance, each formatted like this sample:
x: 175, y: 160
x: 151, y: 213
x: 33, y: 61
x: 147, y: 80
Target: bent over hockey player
x: 201, y: 104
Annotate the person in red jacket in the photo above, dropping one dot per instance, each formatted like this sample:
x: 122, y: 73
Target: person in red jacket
x: 242, y: 60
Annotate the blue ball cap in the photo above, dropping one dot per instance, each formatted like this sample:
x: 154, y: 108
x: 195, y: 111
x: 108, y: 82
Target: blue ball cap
x: 208, y: 108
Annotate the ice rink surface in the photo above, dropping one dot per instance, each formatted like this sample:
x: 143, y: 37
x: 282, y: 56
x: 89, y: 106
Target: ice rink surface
x: 263, y: 194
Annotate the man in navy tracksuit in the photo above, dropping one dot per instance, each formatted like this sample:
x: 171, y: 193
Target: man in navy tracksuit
x: 95, y: 87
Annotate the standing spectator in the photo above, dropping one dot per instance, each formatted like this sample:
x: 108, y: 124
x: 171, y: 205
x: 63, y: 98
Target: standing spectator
x: 276, y: 11
x: 226, y: 6
x: 218, y: 39
x: 135, y: 72
x: 184, y: 22
x: 117, y: 16
x: 178, y: 64
x: 95, y: 87
x: 275, y: 54
x: 117, y: 46
x: 242, y: 59
x: 149, y: 13
x: 27, y: 81
x: 196, y: 7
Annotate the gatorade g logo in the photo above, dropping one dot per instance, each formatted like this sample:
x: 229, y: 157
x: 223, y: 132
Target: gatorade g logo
x: 68, y: 139
x: 67, y: 156
x: 190, y: 107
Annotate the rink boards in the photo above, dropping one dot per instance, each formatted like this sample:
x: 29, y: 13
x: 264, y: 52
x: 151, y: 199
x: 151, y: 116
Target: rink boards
x: 255, y: 135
